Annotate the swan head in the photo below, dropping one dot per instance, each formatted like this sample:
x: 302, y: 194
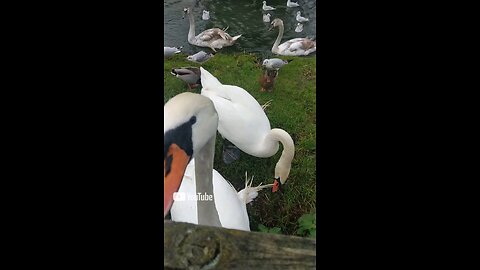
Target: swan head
x: 264, y: 2
x: 298, y: 13
x: 265, y: 62
x: 275, y: 23
x: 190, y: 121
x: 281, y: 175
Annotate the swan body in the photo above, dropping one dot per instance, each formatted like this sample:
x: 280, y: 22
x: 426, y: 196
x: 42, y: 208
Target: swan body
x: 266, y: 8
x: 214, y: 38
x: 190, y: 75
x: 266, y: 17
x: 292, y: 47
x: 170, y: 51
x: 230, y: 204
x: 205, y: 15
x: 292, y: 4
x: 300, y: 18
x: 299, y: 28
x: 199, y: 57
x: 243, y: 122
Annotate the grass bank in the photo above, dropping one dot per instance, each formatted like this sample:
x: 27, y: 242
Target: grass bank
x: 293, y: 109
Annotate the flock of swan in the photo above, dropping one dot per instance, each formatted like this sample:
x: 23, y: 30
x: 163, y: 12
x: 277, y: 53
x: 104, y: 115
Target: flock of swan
x: 194, y: 191
x: 216, y: 38
x: 190, y: 124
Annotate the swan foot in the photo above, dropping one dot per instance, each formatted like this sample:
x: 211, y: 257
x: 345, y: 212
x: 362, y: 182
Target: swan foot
x: 249, y: 193
x: 268, y: 103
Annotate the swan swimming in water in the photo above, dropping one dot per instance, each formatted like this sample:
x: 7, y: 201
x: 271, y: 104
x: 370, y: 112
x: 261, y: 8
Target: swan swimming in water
x: 295, y: 46
x: 213, y: 38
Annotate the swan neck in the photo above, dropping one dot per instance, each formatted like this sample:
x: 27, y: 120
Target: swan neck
x: 279, y: 38
x: 191, y: 31
x: 285, y: 139
x: 206, y: 211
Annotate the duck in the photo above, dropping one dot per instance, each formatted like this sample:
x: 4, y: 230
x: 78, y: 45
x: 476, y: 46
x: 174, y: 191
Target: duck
x: 243, y: 122
x: 267, y: 80
x: 292, y: 47
x: 299, y: 28
x: 170, y: 51
x: 274, y: 63
x: 266, y: 8
x: 266, y: 17
x: 292, y: 4
x: 205, y: 15
x: 230, y: 204
x: 300, y: 18
x: 214, y: 38
x: 200, y: 57
x: 190, y: 75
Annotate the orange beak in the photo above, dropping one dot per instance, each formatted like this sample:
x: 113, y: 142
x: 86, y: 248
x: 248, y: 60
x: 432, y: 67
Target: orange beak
x: 174, y: 166
x: 276, y: 185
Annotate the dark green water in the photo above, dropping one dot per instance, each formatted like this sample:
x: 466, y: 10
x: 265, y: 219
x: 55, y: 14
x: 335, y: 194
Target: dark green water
x: 242, y: 17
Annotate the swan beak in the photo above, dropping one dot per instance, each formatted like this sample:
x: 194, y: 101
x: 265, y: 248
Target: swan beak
x: 270, y: 29
x: 174, y: 165
x: 276, y: 185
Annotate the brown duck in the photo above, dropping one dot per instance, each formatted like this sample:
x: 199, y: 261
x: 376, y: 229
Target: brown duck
x: 267, y: 80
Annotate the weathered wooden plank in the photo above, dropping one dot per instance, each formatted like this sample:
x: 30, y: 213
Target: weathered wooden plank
x: 189, y: 246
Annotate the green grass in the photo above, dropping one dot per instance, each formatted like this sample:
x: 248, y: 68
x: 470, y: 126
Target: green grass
x: 293, y: 109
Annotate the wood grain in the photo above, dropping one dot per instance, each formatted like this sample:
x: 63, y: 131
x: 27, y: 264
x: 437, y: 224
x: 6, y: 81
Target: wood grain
x: 190, y: 246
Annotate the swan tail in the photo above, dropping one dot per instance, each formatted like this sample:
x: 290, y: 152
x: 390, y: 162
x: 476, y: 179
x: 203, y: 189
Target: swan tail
x: 209, y: 82
x: 249, y: 193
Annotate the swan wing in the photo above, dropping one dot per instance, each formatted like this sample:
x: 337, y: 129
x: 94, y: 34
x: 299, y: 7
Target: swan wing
x: 231, y: 210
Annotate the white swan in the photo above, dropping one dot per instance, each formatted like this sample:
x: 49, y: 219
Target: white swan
x: 300, y: 18
x: 296, y: 46
x: 231, y: 206
x: 189, y: 129
x: 214, y: 38
x: 292, y: 4
x: 243, y: 122
x: 265, y: 7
